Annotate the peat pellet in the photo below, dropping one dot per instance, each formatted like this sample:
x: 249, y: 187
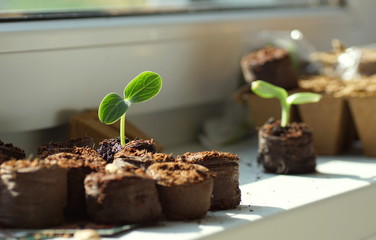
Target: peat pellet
x: 32, y: 194
x: 225, y: 167
x: 286, y: 150
x: 122, y: 197
x: 184, y: 189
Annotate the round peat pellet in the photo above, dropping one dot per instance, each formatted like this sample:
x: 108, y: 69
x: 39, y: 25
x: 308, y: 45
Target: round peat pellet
x: 225, y: 167
x: 286, y: 150
x: 32, y: 194
x: 184, y: 189
x: 122, y: 197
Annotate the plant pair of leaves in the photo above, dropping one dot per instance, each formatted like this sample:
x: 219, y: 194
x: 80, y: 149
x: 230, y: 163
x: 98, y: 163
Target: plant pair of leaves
x: 267, y: 90
x: 142, y: 88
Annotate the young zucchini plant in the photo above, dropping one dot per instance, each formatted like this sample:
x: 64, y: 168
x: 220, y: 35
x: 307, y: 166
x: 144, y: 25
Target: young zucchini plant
x: 114, y: 107
x: 267, y: 90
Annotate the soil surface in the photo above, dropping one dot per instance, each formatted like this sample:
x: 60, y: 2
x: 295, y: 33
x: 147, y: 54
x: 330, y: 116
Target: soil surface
x: 8, y: 151
x: 292, y: 130
x: 73, y: 160
x: 24, y: 163
x: 141, y: 158
x: 201, y: 157
x: 142, y: 144
x: 175, y: 174
x: 108, y: 148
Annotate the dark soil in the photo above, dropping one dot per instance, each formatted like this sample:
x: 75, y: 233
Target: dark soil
x: 8, y: 151
x: 108, y: 148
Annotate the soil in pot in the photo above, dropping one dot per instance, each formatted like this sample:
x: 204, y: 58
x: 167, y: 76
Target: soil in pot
x: 286, y: 150
x: 33, y: 194
x: 184, y: 189
x: 225, y: 167
x: 125, y: 196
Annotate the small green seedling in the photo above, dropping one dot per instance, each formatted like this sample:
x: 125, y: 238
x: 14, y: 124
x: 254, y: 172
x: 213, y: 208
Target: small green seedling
x: 113, y: 107
x: 267, y: 90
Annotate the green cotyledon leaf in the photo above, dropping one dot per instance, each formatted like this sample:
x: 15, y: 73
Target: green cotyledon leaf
x: 303, y: 97
x: 111, y: 108
x: 267, y: 90
x: 143, y: 87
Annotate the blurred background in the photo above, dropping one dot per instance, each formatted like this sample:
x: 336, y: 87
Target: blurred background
x: 59, y: 58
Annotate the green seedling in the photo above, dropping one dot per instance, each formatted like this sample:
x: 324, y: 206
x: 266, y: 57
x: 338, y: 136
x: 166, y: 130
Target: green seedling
x: 114, y: 107
x: 267, y: 90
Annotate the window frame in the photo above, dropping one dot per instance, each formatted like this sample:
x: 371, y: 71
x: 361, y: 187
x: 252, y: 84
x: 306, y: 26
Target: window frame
x: 185, y: 7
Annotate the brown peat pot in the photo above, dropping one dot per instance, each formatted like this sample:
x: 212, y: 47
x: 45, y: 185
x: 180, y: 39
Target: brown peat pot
x: 225, y: 166
x: 185, y: 190
x: 33, y: 194
x: 270, y: 64
x: 286, y: 150
x: 128, y: 196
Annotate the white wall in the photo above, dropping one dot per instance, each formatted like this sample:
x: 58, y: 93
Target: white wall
x: 51, y: 69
